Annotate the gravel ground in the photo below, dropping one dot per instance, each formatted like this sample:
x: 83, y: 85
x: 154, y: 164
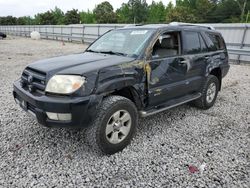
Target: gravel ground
x: 168, y: 146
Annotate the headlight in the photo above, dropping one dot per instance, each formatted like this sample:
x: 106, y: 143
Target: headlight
x: 64, y: 84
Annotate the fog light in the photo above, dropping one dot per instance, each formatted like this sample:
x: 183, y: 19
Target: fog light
x: 59, y: 116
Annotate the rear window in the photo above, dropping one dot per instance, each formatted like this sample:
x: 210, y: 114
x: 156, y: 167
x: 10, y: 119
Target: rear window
x: 214, y: 42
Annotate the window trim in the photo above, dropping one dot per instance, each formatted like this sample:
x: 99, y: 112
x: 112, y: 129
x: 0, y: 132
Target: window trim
x: 202, y: 38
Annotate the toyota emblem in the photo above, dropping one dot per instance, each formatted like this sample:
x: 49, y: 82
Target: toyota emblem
x: 30, y: 79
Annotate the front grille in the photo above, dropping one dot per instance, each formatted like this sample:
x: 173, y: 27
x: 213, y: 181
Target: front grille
x: 33, y: 79
x: 31, y: 107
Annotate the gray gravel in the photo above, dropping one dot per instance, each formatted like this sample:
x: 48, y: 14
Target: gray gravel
x: 165, y: 146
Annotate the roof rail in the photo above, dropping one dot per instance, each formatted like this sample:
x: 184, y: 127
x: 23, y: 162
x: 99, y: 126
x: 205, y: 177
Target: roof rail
x: 132, y: 25
x: 190, y: 24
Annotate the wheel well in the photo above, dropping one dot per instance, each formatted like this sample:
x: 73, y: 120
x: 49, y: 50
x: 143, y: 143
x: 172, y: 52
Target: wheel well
x: 217, y: 72
x: 130, y: 93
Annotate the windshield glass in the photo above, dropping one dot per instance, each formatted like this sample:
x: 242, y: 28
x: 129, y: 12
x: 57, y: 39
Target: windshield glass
x: 127, y: 42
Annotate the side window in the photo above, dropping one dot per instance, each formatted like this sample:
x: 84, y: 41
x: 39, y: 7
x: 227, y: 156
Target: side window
x: 191, y: 42
x: 203, y: 44
x: 215, y: 42
x: 167, y: 45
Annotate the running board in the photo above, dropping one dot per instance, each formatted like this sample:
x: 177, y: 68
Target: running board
x: 170, y: 104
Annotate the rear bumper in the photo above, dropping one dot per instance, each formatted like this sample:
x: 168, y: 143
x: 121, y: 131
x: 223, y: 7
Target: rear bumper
x: 82, y: 109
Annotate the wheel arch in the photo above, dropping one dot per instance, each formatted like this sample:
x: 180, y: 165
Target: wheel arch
x: 218, y: 73
x: 129, y: 92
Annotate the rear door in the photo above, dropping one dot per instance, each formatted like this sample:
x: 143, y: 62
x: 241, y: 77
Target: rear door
x: 195, y: 54
x: 216, y: 47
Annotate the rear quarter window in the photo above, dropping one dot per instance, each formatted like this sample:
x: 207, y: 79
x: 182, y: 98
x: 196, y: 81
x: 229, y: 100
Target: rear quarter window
x: 214, y: 42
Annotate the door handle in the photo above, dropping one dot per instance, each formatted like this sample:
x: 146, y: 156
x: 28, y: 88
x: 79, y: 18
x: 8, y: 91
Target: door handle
x: 182, y: 62
x: 185, y: 63
x: 207, y: 57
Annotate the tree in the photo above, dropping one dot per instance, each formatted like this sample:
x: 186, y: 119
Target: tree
x: 58, y: 15
x: 104, y: 13
x: 181, y: 14
x: 226, y: 11
x: 25, y: 20
x: 87, y: 17
x: 156, y: 12
x: 8, y: 20
x: 135, y: 11
x: 138, y: 10
x: 45, y: 18
x: 72, y: 17
x: 242, y: 5
x: 123, y: 14
x: 203, y: 10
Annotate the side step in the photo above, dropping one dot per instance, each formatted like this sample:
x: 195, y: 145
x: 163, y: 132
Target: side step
x: 170, y: 104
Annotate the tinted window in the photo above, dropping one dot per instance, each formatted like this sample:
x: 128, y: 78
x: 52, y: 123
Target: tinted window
x: 191, y: 42
x: 203, y: 44
x: 214, y: 42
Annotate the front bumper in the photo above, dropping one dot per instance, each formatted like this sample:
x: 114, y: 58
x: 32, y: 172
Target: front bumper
x: 82, y: 109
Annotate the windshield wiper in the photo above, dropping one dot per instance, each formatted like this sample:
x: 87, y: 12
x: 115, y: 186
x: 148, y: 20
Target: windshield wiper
x: 113, y: 53
x: 92, y: 51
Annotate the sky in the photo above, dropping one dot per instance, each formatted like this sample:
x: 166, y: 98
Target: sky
x: 31, y: 7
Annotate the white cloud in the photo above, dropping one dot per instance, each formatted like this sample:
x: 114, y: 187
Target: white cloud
x: 32, y: 7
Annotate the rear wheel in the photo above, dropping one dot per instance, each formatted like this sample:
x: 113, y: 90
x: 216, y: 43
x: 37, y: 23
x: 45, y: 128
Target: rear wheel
x: 114, y: 126
x: 209, y: 93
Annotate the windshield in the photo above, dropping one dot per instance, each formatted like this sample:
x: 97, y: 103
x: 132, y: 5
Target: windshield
x: 127, y: 42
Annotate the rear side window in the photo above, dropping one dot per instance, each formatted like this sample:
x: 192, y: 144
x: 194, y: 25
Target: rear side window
x: 203, y: 44
x: 214, y: 42
x: 191, y: 42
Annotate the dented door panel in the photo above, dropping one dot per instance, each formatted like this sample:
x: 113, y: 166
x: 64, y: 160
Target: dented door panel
x: 166, y: 79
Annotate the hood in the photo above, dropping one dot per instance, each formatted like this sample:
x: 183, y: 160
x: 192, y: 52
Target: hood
x: 78, y: 63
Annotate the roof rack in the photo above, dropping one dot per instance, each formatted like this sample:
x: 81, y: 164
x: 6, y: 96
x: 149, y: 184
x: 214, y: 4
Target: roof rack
x: 190, y: 24
x: 132, y: 25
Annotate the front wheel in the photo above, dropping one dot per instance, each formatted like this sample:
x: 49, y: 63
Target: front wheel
x: 209, y: 93
x: 114, y: 126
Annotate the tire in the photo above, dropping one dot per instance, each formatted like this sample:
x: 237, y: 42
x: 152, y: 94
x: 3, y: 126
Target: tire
x: 114, y: 126
x: 205, y: 102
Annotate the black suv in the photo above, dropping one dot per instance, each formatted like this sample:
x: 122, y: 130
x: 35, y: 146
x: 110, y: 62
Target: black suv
x: 126, y: 73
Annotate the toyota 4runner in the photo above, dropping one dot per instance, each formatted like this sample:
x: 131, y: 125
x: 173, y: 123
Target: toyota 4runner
x: 126, y: 73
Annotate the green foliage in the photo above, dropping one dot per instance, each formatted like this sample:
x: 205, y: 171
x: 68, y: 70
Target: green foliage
x: 104, y: 13
x: 58, y: 16
x: 135, y: 11
x: 87, y: 17
x: 123, y: 14
x: 226, y: 12
x: 157, y: 13
x: 138, y: 11
x: 8, y: 20
x: 72, y: 17
x: 46, y: 18
x: 181, y: 14
x: 25, y: 20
